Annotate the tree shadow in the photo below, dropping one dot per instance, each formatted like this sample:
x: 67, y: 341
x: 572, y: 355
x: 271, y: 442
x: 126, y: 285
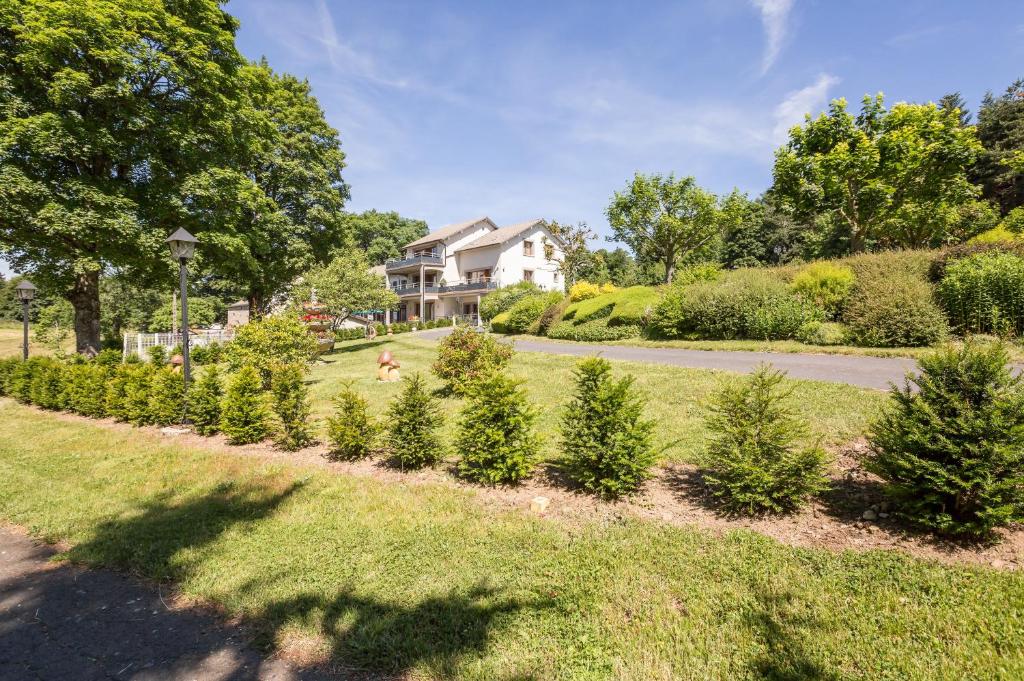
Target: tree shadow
x: 147, y: 542
x: 777, y: 623
x: 379, y: 639
x: 354, y: 347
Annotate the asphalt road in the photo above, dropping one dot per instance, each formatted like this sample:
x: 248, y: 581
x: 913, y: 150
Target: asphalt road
x: 866, y: 372
x: 60, y: 622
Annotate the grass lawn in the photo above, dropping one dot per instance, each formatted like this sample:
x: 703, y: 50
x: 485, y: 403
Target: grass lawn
x: 423, y: 581
x: 678, y: 395
x: 10, y: 341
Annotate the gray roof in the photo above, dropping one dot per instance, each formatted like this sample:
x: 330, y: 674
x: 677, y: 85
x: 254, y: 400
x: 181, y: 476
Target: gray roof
x: 500, y: 236
x: 449, y: 230
x: 238, y: 304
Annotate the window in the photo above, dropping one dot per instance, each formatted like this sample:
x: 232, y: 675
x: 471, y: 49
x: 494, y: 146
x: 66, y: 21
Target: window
x: 527, y: 275
x: 528, y: 249
x: 556, y: 277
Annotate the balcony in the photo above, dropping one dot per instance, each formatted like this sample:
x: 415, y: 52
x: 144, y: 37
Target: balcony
x: 429, y: 258
x: 471, y: 285
x: 413, y: 289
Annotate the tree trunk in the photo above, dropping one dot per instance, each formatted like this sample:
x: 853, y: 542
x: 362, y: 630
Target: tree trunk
x: 85, y: 297
x: 670, y: 270
x: 255, y: 305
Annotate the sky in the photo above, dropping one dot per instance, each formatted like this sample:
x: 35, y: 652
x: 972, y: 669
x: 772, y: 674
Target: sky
x: 519, y: 110
x: 541, y: 109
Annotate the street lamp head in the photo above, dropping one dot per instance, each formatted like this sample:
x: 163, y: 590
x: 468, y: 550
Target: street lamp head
x: 25, y: 289
x: 183, y: 244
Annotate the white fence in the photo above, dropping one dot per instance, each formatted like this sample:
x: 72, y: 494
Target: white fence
x: 140, y: 343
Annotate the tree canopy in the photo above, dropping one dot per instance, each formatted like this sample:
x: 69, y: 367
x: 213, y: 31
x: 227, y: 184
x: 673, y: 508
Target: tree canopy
x: 1000, y: 169
x: 894, y: 177
x: 345, y: 286
x: 381, y: 235
x: 663, y: 218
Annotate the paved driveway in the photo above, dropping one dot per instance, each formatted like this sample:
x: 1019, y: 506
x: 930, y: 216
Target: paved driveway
x: 59, y: 622
x: 866, y: 372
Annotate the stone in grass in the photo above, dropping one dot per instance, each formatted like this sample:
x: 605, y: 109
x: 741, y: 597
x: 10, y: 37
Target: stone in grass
x: 869, y: 514
x: 175, y: 430
x: 539, y: 504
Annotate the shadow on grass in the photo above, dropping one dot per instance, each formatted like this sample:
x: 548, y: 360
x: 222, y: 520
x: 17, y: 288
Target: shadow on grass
x: 439, y: 634
x: 150, y: 541
x: 353, y: 346
x: 782, y: 630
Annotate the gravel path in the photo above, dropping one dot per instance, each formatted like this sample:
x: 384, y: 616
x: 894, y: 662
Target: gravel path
x: 62, y: 622
x: 866, y: 372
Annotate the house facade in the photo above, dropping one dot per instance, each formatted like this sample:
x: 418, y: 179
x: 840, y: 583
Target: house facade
x: 448, y: 272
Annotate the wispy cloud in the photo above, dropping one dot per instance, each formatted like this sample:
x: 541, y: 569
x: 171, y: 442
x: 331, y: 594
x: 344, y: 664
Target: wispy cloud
x: 775, y: 19
x: 798, y: 103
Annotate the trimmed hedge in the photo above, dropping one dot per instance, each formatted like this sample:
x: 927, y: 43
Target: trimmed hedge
x: 895, y: 311
x: 525, y: 313
x: 594, y: 331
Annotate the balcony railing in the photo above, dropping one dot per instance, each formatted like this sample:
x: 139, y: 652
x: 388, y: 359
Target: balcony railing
x: 427, y: 258
x: 480, y: 284
x: 409, y: 289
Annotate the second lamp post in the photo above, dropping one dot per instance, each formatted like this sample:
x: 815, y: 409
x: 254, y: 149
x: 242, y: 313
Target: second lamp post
x: 26, y: 292
x: 183, y: 247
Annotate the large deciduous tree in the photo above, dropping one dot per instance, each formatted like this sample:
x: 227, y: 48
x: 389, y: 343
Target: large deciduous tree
x: 889, y: 177
x: 106, y: 109
x: 276, y: 210
x: 663, y: 218
x: 382, y: 235
x: 1000, y: 169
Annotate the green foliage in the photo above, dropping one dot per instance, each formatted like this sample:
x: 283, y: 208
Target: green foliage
x: 85, y: 389
x: 245, y: 417
x: 167, y: 397
x: 47, y: 383
x: 138, y: 386
x: 54, y: 325
x: 291, y: 406
x: 114, y: 401
x: 277, y: 339
x: 346, y: 285
x: 996, y: 235
x: 1000, y: 170
x: 822, y: 333
x: 206, y: 354
x: 204, y: 401
x: 19, y: 381
x: 525, y: 313
x: 742, y: 304
x: 951, y: 451
x: 465, y: 356
x: 663, y: 219
x: 606, y: 440
x: 497, y: 441
x: 414, y: 419
x: 594, y: 331
x: 499, y: 301
x: 382, y: 235
x: 202, y: 312
x: 7, y: 368
x: 984, y: 293
x: 825, y: 284
x: 551, y: 316
x: 754, y: 463
x: 898, y: 311
x: 157, y: 355
x: 892, y: 178
x: 350, y: 430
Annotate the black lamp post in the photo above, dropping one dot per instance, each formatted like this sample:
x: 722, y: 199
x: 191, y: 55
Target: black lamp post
x: 183, y: 247
x: 26, y: 292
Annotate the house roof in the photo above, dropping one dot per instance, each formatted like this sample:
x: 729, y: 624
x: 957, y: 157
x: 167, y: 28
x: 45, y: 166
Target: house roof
x: 239, y: 304
x: 449, y: 230
x: 500, y: 236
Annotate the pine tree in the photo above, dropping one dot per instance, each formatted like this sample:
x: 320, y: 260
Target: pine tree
x: 415, y: 418
x: 204, y: 399
x: 754, y: 463
x: 496, y: 438
x: 605, y: 438
x: 244, y: 417
x: 352, y: 434
x: 952, y: 451
x: 291, y: 405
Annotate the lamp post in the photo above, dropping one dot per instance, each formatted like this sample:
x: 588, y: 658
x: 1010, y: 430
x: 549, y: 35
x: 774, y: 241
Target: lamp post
x: 26, y: 292
x: 183, y: 247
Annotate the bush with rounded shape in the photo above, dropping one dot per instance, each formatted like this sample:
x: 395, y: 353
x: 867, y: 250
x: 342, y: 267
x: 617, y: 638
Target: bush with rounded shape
x: 984, y: 293
x: 524, y: 314
x: 825, y: 284
x: 497, y: 441
x: 47, y: 389
x: 594, y: 331
x: 740, y: 304
x: 754, y: 463
x: 204, y: 400
x: 583, y: 290
x: 167, y: 397
x: 894, y: 312
x: 138, y: 386
x: 822, y: 333
x: 500, y: 323
x: 465, y: 356
x: 414, y: 419
x: 951, y: 451
x: 496, y: 302
x: 245, y: 418
x: 606, y: 441
x: 277, y: 339
x: 351, y: 432
x: 608, y: 287
x: 291, y: 406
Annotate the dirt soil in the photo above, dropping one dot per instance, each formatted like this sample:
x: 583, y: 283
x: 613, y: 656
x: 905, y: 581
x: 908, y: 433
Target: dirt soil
x: 677, y: 496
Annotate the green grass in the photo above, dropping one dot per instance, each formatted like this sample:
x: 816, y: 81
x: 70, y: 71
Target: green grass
x: 678, y: 396
x: 10, y: 341
x: 423, y: 581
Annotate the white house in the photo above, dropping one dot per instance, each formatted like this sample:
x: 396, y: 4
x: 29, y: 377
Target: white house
x: 447, y: 272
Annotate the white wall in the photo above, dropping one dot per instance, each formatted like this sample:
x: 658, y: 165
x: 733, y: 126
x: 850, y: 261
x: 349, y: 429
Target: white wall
x: 513, y: 262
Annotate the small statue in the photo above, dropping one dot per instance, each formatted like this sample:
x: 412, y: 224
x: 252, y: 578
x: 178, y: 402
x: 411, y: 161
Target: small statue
x: 387, y: 367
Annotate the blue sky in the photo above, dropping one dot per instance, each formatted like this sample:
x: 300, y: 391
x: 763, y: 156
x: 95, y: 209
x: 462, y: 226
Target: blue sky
x: 516, y: 110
